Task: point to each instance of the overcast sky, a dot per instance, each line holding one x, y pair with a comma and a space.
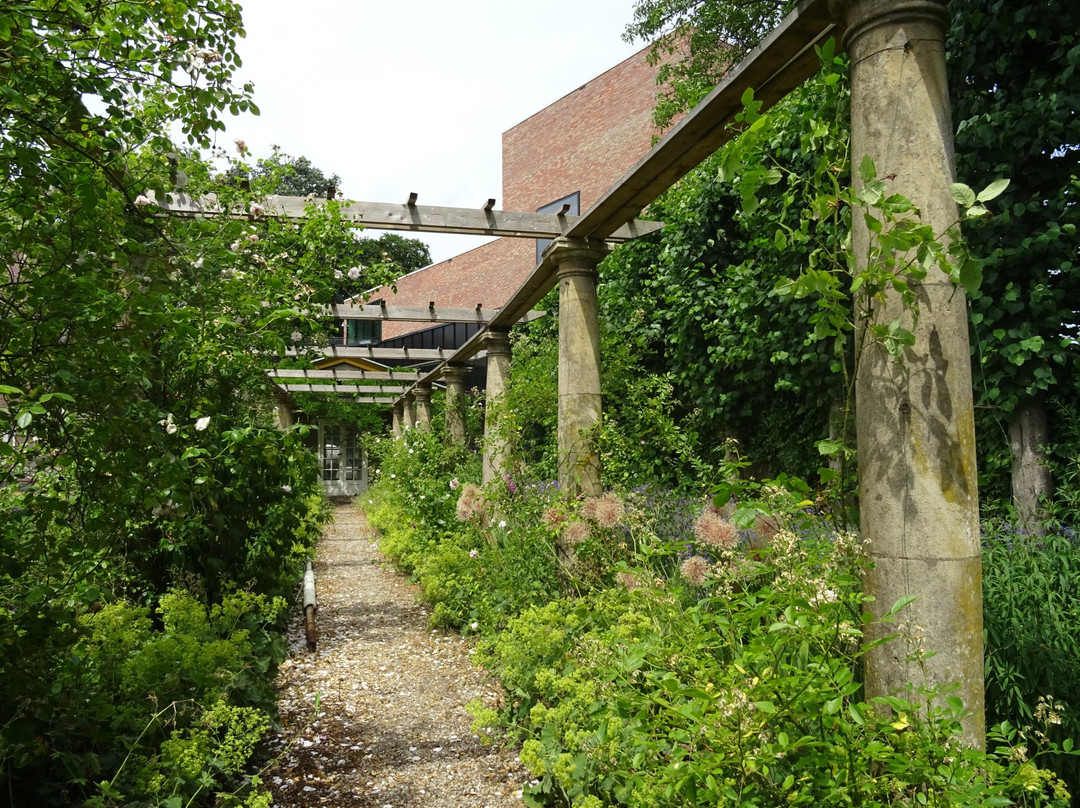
398, 97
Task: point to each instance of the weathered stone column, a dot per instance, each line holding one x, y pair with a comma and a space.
398, 417
497, 344
408, 414
915, 428
422, 405
454, 376
579, 364
283, 411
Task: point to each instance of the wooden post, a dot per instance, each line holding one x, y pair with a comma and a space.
454, 376
914, 424
497, 344
422, 405
580, 409
310, 607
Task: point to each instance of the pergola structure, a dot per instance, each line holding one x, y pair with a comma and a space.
915, 425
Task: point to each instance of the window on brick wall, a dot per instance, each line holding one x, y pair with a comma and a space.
573, 200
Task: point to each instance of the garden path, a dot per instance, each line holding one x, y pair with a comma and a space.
391, 728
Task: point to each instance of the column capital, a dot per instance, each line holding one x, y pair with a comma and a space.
861, 16
497, 342
454, 374
421, 392
576, 255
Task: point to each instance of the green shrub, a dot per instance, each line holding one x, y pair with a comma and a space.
744, 691
687, 654
1031, 613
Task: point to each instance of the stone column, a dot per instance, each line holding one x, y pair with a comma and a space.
497, 344
579, 364
399, 416
422, 405
283, 411
914, 424
408, 413
454, 376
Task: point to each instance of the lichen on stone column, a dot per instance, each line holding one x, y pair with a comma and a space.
497, 345
454, 376
915, 424
580, 408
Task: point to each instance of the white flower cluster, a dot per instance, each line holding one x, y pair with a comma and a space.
198, 58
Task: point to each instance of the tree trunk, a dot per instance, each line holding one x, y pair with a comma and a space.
1032, 484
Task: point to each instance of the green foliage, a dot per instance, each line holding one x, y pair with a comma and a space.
642, 441
474, 563
1030, 581
1012, 69
696, 43
1012, 79
745, 222
744, 691
162, 702
405, 254
295, 176
139, 465
686, 654
528, 416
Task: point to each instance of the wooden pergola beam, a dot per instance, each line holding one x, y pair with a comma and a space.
416, 218
784, 60
354, 389
374, 399
378, 354
354, 374
421, 314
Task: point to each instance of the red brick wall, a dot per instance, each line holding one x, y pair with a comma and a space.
586, 141
488, 275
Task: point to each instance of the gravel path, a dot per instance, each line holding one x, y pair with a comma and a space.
391, 728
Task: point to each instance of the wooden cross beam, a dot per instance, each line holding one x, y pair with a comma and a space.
410, 216
343, 388
374, 399
378, 354
341, 375
783, 61
421, 314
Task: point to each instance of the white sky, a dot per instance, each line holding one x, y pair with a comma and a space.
397, 97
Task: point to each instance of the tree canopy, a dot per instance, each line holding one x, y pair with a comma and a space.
142, 474
695, 43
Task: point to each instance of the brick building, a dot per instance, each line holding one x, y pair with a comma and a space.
572, 151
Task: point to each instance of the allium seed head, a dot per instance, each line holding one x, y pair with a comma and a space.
607, 510
576, 532
588, 509
470, 503
553, 517
766, 527
714, 530
627, 580
694, 570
